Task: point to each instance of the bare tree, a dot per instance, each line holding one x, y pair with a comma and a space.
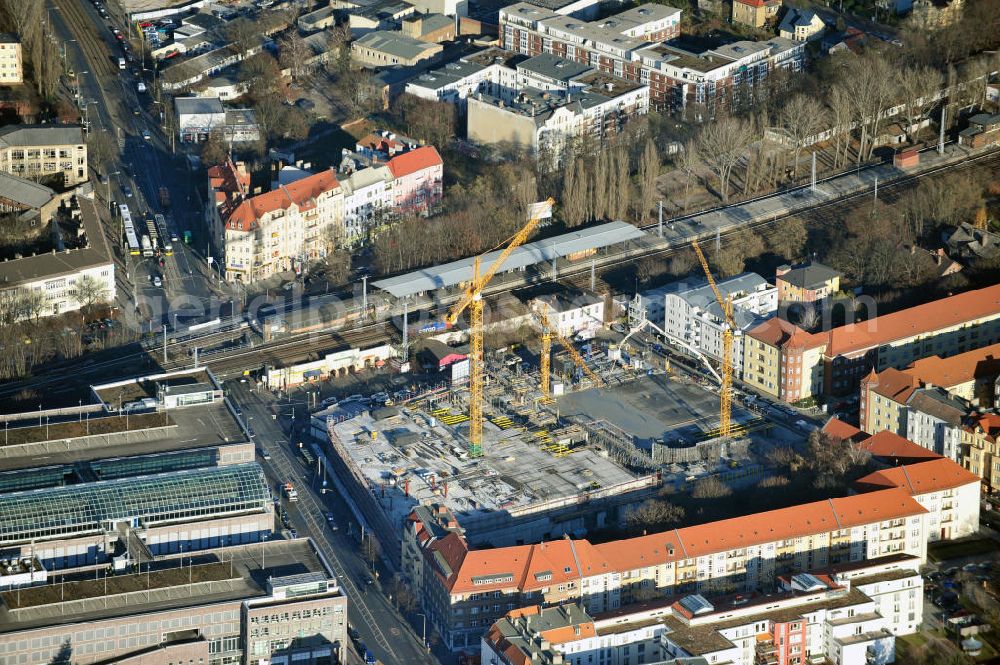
803, 118
710, 488
649, 170
870, 86
687, 161
788, 238
654, 514
243, 33
573, 201
100, 148
88, 291
839, 103
917, 87
621, 189
722, 144
295, 55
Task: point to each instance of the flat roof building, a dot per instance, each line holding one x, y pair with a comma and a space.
276, 602
381, 48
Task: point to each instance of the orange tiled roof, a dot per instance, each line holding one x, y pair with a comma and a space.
838, 429
410, 162
890, 445
923, 477
957, 369
895, 384
564, 561
931, 316
301, 193
988, 422
780, 333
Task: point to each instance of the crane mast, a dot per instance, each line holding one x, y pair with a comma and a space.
472, 300
726, 389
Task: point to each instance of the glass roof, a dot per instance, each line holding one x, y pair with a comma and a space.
57, 512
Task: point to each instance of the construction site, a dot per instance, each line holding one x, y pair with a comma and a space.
559, 434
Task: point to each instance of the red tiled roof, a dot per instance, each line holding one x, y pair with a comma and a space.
931, 316
780, 333
582, 559
891, 446
301, 193
895, 384
838, 429
988, 422
424, 157
960, 368
923, 477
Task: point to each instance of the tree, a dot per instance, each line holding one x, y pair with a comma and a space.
870, 86
710, 488
243, 33
294, 56
788, 238
653, 514
360, 92
649, 170
917, 86
722, 144
88, 291
433, 122
620, 194
214, 151
573, 199
101, 149
687, 162
802, 118
830, 459
262, 71
839, 103
731, 259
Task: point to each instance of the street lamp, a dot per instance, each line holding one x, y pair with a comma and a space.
424, 617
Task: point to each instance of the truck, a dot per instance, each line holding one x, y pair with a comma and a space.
164, 197
290, 493
147, 247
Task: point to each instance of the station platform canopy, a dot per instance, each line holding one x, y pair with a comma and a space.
529, 254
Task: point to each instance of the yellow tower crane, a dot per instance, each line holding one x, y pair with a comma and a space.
472, 300
548, 332
726, 391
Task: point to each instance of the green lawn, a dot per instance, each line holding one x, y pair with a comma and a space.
944, 551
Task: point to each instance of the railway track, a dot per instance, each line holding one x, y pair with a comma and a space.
301, 346
82, 25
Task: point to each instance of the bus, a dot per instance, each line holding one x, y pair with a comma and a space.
147, 247
154, 236
134, 248
161, 226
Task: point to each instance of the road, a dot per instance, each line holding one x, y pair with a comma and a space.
109, 98
385, 632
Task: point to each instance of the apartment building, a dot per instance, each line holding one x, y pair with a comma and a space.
11, 64
755, 13
491, 71
641, 45
971, 377
275, 602
56, 274
34, 151
691, 313
949, 492
783, 361
784, 356
418, 181
810, 282
801, 25
849, 615
981, 449
280, 230
546, 123
580, 315
464, 592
